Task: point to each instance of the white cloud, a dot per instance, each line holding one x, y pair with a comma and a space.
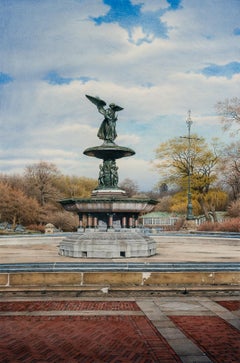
156, 82
139, 170
138, 35
151, 5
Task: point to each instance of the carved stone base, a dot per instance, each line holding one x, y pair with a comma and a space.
108, 244
108, 193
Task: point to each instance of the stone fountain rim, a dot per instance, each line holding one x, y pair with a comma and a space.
107, 200
103, 151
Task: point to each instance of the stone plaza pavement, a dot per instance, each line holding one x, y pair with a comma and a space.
163, 327
170, 248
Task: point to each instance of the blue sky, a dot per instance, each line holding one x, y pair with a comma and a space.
155, 58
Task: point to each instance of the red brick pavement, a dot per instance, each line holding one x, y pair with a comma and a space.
230, 305
71, 305
104, 338
213, 335
84, 339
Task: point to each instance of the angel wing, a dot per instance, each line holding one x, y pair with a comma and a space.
97, 101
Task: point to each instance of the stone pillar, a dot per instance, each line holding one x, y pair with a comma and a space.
136, 222
89, 221
95, 222
133, 222
80, 221
80, 226
110, 221
130, 222
124, 222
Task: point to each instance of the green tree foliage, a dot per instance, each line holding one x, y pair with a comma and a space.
176, 161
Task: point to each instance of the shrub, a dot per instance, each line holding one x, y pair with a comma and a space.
207, 226
234, 208
229, 225
36, 228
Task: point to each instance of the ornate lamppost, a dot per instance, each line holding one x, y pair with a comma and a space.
189, 123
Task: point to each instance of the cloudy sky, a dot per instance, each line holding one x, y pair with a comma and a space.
155, 58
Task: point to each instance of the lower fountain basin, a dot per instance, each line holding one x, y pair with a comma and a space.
108, 205
109, 244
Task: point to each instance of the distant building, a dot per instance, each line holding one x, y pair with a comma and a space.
159, 220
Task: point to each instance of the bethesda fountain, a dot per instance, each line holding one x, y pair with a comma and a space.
108, 220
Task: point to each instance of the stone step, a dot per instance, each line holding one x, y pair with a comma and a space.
120, 292
120, 266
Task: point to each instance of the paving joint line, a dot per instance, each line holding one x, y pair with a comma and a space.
179, 342
222, 312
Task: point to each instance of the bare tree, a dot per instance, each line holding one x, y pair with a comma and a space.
130, 186
229, 169
40, 181
229, 112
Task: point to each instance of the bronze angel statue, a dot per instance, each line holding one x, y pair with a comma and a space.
107, 129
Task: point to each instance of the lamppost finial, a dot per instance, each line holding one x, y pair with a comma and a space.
189, 121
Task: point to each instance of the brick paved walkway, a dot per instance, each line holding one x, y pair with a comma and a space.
138, 330
70, 305
217, 338
230, 305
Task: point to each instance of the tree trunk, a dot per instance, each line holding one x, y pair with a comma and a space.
14, 222
213, 213
204, 209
